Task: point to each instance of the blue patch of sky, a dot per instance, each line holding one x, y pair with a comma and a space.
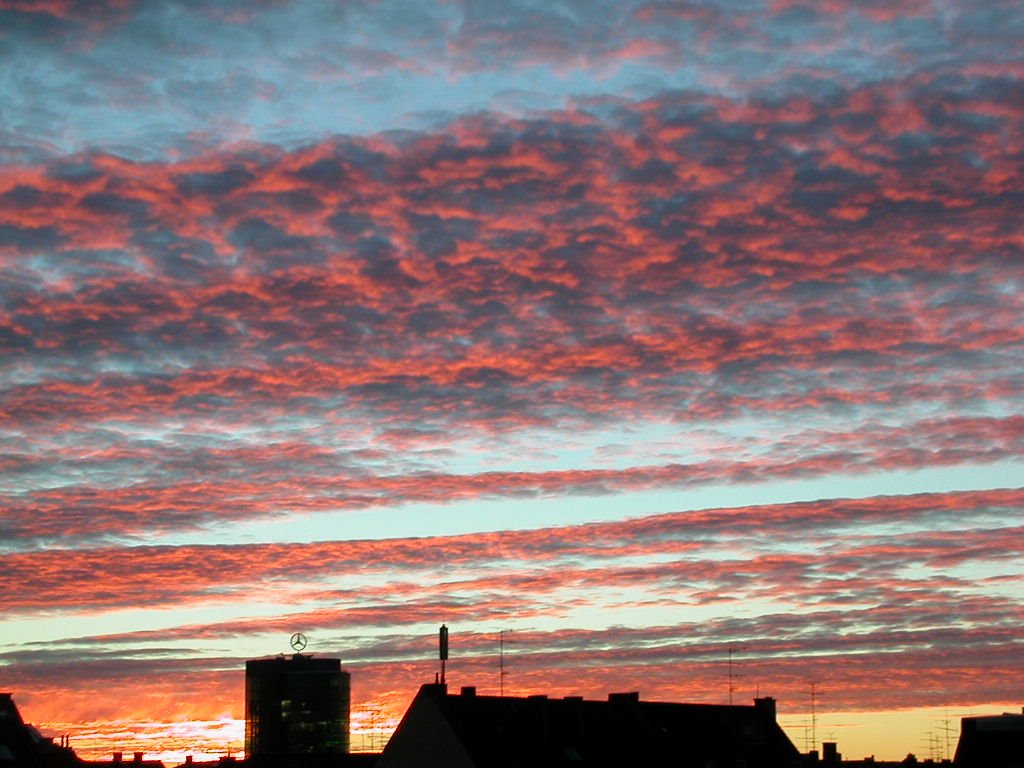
498, 514
78, 623
300, 71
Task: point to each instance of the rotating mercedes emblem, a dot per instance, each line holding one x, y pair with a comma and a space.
298, 642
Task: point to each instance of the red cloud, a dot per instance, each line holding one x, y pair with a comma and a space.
168, 576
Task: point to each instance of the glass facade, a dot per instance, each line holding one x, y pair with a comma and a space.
296, 706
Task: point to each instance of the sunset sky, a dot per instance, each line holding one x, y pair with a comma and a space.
652, 332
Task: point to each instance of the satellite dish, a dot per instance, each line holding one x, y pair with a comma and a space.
298, 642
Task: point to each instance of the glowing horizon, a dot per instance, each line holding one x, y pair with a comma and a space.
644, 330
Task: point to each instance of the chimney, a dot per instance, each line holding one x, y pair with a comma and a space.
830, 753
116, 758
468, 691
766, 706
137, 757
624, 697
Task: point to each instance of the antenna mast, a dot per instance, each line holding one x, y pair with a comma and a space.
946, 729
814, 716
443, 649
732, 688
501, 660
731, 652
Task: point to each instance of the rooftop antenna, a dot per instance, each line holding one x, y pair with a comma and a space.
814, 715
501, 660
930, 741
947, 730
443, 649
373, 711
732, 688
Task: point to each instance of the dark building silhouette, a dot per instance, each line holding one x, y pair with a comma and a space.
994, 741
830, 753
471, 731
18, 744
22, 746
295, 707
119, 760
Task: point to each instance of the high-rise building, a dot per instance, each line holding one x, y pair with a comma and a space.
297, 705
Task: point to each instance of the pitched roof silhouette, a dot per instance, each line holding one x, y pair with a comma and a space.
471, 731
991, 741
17, 746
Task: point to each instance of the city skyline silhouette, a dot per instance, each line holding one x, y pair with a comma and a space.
670, 346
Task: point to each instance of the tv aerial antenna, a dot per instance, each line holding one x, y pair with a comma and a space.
298, 642
733, 649
815, 695
501, 660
